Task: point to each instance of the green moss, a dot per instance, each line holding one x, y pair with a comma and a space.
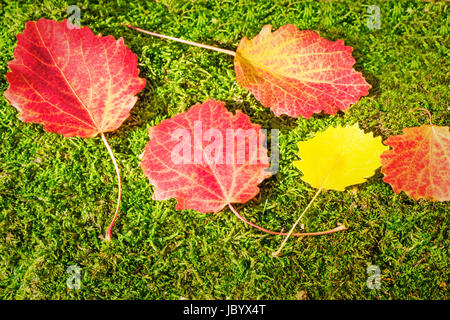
57, 194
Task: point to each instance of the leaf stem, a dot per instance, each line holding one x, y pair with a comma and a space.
295, 224
192, 43
340, 227
119, 196
427, 111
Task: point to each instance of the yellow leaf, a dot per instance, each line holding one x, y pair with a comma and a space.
339, 157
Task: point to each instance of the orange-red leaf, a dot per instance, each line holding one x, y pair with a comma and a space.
203, 182
419, 162
298, 73
72, 81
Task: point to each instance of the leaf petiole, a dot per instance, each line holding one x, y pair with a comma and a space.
427, 111
192, 43
119, 196
275, 254
301, 234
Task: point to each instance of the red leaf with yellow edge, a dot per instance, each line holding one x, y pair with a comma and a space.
299, 73
189, 158
294, 72
72, 81
419, 162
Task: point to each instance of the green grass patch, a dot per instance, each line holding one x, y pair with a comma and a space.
57, 194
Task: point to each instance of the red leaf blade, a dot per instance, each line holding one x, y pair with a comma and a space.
418, 163
73, 82
203, 186
299, 73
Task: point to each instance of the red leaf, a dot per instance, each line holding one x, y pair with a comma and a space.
419, 163
73, 82
294, 72
199, 184
298, 73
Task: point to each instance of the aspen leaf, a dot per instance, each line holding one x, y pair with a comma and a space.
335, 159
294, 72
299, 73
196, 181
73, 82
419, 162
339, 157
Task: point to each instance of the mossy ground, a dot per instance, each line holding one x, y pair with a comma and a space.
57, 194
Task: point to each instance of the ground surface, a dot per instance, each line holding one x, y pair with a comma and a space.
57, 194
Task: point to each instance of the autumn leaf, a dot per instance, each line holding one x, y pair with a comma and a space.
419, 162
197, 182
207, 158
294, 72
335, 159
298, 73
73, 82
339, 157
